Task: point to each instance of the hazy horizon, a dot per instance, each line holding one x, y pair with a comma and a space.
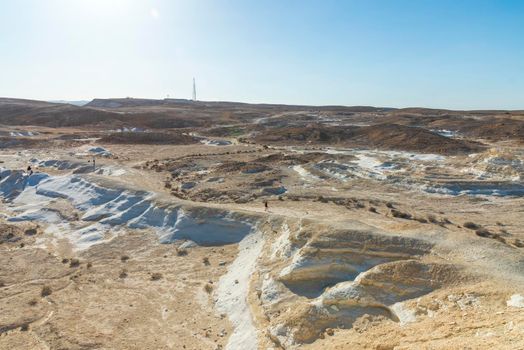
449, 55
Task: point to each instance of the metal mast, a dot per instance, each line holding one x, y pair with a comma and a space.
194, 90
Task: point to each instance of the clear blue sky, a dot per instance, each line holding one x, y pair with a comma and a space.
465, 54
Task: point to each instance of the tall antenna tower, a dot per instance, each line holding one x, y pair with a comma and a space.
194, 90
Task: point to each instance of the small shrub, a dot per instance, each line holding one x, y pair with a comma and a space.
124, 258
432, 218
65, 261
322, 199
24, 327
518, 243
74, 263
373, 210
181, 252
445, 221
89, 265
208, 288
499, 238
482, 232
156, 276
471, 225
32, 302
399, 214
123, 274
390, 205
30, 232
421, 219
206, 261
46, 291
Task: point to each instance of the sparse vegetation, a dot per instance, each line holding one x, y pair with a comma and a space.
373, 210
156, 276
65, 261
432, 218
74, 263
124, 258
445, 221
399, 214
123, 274
150, 138
24, 327
181, 251
208, 288
420, 219
471, 225
206, 261
46, 291
32, 302
518, 243
322, 199
482, 232
30, 232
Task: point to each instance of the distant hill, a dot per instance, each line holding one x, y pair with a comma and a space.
180, 113
382, 136
28, 112
76, 103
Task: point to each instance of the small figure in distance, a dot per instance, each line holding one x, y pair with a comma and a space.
266, 207
29, 170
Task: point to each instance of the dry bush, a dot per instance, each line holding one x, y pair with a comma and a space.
30, 232
206, 261
32, 302
123, 274
24, 327
181, 252
373, 210
420, 219
124, 258
208, 288
399, 214
156, 276
322, 199
432, 218
471, 225
482, 232
499, 238
518, 243
46, 290
74, 263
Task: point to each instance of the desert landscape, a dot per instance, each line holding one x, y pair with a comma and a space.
174, 224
